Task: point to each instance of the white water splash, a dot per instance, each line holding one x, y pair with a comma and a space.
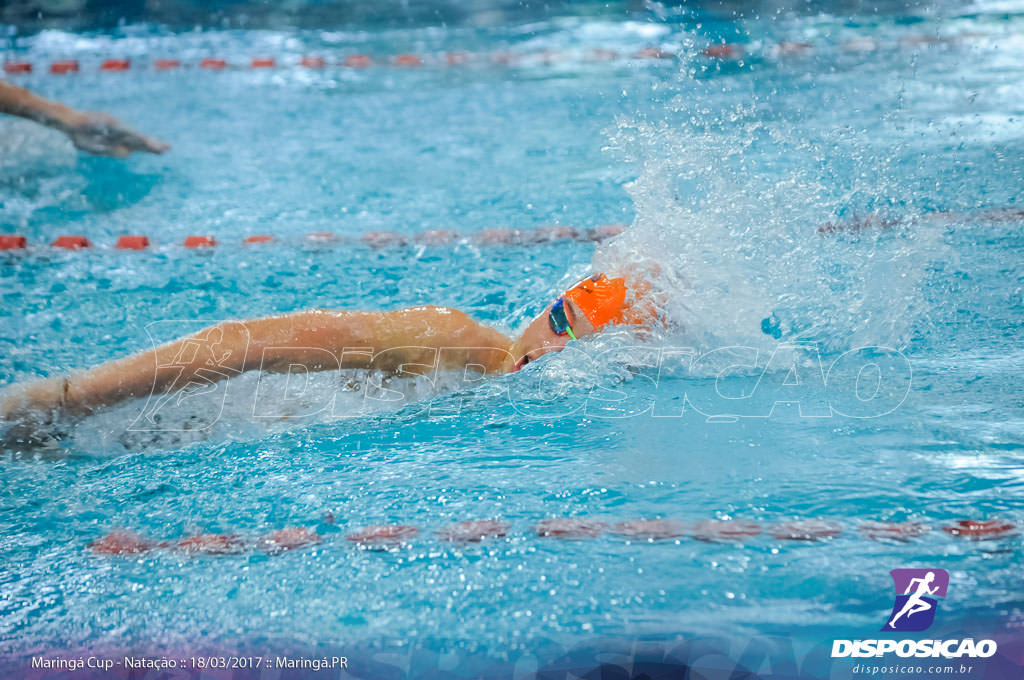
729, 210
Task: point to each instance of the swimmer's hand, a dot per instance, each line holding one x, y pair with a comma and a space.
104, 135
29, 413
19, 400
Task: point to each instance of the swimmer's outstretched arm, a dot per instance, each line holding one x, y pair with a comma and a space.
316, 340
95, 133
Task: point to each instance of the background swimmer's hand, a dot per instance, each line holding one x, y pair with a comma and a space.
95, 133
104, 135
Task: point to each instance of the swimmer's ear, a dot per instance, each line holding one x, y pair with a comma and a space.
580, 323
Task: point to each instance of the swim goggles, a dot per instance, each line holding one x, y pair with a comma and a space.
558, 319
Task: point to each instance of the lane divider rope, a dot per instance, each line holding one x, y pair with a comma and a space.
374, 239
393, 536
714, 52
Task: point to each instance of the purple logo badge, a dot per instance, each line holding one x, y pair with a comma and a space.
916, 590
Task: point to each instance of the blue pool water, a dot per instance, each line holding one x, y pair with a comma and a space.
723, 169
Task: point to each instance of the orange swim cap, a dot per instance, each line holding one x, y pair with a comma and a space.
602, 301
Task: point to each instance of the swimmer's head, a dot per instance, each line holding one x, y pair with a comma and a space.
584, 309
602, 300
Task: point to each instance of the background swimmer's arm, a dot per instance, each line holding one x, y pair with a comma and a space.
96, 133
17, 101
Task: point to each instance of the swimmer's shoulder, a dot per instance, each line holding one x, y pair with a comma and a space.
451, 326
429, 316
422, 312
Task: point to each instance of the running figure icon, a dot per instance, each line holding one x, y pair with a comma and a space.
914, 609
915, 603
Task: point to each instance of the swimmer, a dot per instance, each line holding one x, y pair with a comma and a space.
95, 133
914, 603
318, 340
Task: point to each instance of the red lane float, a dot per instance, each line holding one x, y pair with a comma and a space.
719, 530
490, 237
723, 51
652, 53
408, 60
313, 62
436, 237
861, 44
570, 528
873, 221
788, 47
263, 62
921, 40
15, 67
549, 234
211, 544
991, 215
62, 67
213, 64
805, 530
200, 242
12, 242
605, 231
893, 531
71, 242
357, 61
132, 243
115, 65
259, 238
321, 237
980, 530
600, 54
289, 538
382, 239
457, 58
384, 535
650, 529
473, 531
166, 64
121, 542
548, 57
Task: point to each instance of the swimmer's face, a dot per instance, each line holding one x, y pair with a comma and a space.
538, 339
